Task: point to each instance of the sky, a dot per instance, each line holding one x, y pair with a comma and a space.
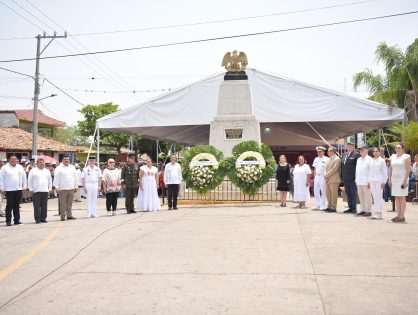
326, 56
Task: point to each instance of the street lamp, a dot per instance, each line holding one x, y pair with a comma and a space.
35, 127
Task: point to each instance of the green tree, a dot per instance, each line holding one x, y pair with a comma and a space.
87, 126
407, 134
68, 135
399, 85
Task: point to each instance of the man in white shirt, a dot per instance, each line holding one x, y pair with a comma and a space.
319, 181
378, 177
65, 183
92, 182
12, 181
362, 182
2, 163
40, 185
172, 178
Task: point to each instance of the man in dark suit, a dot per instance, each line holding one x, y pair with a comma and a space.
348, 175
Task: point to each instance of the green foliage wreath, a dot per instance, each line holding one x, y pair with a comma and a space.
202, 178
250, 177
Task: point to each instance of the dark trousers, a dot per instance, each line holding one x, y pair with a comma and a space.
13, 202
129, 198
173, 193
40, 205
112, 201
351, 191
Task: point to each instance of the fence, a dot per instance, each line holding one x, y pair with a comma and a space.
227, 191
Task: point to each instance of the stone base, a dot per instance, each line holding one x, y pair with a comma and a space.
235, 75
234, 123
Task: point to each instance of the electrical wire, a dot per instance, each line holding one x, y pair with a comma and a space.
208, 22
17, 72
57, 87
115, 83
218, 38
22, 16
106, 67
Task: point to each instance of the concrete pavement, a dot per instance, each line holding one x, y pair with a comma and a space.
256, 259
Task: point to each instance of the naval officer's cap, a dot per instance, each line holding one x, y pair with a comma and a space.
320, 148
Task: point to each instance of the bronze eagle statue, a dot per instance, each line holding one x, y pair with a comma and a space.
235, 61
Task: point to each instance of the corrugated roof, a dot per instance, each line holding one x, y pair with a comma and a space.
15, 139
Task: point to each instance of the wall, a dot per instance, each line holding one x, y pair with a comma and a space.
8, 120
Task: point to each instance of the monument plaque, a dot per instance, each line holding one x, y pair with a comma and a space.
235, 121
233, 134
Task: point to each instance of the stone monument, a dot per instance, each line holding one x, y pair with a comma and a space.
235, 121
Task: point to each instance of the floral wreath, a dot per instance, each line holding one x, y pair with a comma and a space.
250, 166
201, 169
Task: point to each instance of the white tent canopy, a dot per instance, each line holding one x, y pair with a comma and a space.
281, 105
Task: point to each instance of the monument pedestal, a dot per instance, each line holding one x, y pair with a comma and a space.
235, 121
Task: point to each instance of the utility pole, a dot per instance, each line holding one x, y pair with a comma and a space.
38, 89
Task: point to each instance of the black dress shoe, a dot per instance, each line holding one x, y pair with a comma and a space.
330, 210
169, 208
71, 218
8, 223
38, 221
175, 208
348, 211
132, 211
326, 209
44, 221
18, 223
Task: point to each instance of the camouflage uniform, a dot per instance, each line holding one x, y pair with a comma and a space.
130, 178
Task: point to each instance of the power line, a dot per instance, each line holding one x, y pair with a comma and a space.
14, 96
17, 13
87, 64
17, 72
119, 92
208, 22
218, 38
57, 87
118, 81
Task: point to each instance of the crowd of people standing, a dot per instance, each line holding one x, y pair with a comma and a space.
359, 175
69, 181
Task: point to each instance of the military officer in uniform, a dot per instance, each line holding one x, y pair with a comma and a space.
91, 178
319, 182
130, 182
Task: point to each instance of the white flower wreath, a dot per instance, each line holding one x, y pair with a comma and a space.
250, 171
259, 159
204, 159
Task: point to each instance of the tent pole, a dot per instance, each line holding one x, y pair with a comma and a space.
158, 144
98, 146
379, 139
91, 145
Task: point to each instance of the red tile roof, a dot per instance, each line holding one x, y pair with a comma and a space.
15, 139
27, 115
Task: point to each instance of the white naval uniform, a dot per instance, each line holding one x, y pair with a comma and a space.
378, 175
319, 182
91, 177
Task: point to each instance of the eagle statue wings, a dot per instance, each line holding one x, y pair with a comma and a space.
235, 61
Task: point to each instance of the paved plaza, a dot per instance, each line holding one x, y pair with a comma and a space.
229, 259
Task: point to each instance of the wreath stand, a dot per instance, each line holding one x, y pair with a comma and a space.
243, 199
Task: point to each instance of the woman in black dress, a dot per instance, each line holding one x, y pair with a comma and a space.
283, 179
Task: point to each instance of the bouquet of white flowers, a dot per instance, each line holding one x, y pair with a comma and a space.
201, 168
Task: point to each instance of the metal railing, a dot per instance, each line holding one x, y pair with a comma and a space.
227, 191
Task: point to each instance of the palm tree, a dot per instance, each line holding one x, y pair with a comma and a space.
407, 134
400, 85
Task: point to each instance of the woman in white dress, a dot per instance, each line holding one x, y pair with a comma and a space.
400, 164
147, 192
301, 176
